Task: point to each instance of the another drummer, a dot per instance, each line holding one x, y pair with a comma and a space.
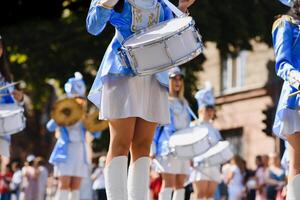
286, 43
7, 96
174, 170
69, 155
205, 181
133, 105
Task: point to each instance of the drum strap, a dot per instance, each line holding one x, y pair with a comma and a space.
119, 36
174, 9
192, 113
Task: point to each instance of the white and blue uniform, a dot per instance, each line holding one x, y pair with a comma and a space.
69, 155
5, 140
286, 44
116, 91
180, 118
205, 97
211, 173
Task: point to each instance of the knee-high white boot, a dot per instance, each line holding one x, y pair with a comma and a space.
115, 175
293, 189
138, 179
178, 194
62, 194
74, 195
165, 194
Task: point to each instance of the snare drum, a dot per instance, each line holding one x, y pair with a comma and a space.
217, 155
12, 119
190, 142
162, 46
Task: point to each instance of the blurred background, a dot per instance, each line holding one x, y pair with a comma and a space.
47, 42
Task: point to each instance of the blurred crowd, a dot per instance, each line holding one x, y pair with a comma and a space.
266, 182
31, 181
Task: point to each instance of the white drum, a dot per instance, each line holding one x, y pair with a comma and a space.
162, 46
217, 155
12, 119
190, 142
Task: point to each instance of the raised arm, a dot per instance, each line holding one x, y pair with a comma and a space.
98, 15
283, 43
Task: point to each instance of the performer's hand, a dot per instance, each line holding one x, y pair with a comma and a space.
18, 95
185, 4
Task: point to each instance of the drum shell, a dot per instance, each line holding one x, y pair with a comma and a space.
192, 150
13, 121
160, 55
221, 157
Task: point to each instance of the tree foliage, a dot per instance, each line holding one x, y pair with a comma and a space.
48, 39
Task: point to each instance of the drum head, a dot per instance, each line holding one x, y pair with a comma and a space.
163, 29
188, 136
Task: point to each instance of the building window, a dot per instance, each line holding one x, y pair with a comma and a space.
233, 72
234, 137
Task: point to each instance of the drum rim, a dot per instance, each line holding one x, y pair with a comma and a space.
195, 127
127, 48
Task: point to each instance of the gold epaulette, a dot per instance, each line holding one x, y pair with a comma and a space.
278, 23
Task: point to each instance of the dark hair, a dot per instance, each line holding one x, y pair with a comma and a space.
4, 64
295, 10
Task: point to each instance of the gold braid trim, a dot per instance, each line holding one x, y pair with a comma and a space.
278, 23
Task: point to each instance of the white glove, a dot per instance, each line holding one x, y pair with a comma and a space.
294, 79
109, 4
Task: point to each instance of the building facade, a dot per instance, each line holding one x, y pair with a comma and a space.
247, 91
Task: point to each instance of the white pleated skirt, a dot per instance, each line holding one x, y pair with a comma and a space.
4, 148
206, 174
75, 164
287, 123
139, 96
172, 165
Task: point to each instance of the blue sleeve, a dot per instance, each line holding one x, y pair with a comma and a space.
170, 128
168, 14
283, 41
51, 125
97, 18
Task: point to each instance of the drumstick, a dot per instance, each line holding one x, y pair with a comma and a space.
294, 93
160, 167
9, 85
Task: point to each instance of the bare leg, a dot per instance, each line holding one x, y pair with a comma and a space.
64, 182
200, 188
142, 138
75, 183
294, 154
121, 134
211, 189
179, 182
139, 169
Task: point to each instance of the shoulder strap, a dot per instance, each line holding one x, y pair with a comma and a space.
174, 9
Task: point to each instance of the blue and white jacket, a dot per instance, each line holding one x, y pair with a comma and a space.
125, 24
60, 151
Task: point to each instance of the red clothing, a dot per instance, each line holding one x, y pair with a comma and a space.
155, 186
4, 182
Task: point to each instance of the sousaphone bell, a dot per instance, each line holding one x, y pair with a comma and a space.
93, 124
67, 112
